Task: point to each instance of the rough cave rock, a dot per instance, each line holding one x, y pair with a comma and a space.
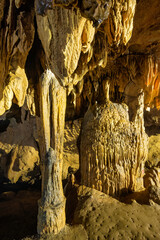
95, 62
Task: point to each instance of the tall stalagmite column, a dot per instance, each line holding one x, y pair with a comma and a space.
51, 212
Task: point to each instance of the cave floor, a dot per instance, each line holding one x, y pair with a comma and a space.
97, 217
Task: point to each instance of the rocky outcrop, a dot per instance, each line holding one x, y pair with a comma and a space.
59, 57
113, 147
17, 35
106, 218
130, 73
19, 155
19, 149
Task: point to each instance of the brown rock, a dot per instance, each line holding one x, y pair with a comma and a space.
119, 25
24, 160
152, 184
106, 218
17, 37
145, 38
154, 194
71, 152
63, 52
152, 177
19, 153
51, 211
113, 148
79, 37
153, 151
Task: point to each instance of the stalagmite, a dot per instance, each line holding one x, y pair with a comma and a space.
107, 129
84, 48
51, 212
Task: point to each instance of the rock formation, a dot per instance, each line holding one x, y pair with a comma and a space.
19, 155
51, 215
70, 59
113, 148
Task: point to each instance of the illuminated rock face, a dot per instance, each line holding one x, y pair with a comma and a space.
72, 48
113, 148
51, 213
17, 35
71, 43
56, 53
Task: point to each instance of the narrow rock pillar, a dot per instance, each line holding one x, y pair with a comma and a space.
51, 211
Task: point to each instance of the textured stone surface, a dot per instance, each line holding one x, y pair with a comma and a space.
119, 25
145, 38
152, 175
17, 35
19, 156
51, 211
79, 45
64, 51
71, 151
106, 218
153, 151
113, 148
69, 232
129, 74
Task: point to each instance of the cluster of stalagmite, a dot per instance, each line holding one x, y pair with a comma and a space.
54, 49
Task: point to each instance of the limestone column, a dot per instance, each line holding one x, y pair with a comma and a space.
51, 211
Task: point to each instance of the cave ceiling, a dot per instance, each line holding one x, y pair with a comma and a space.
76, 39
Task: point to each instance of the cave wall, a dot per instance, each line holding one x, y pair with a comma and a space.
84, 44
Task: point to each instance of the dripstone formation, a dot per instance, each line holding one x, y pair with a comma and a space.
95, 60
113, 148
